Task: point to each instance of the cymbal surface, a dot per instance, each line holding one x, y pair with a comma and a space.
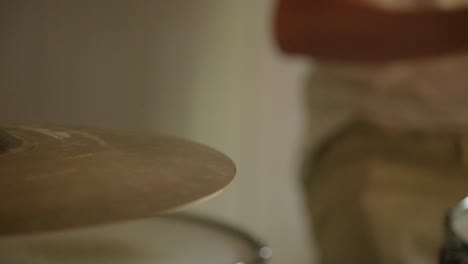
59, 178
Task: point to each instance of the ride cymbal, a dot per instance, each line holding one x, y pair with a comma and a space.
55, 177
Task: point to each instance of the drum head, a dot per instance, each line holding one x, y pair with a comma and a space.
169, 240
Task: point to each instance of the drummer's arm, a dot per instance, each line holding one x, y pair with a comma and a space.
335, 29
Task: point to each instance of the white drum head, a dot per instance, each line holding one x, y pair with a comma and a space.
168, 240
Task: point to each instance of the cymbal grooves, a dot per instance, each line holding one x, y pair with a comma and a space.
8, 141
55, 178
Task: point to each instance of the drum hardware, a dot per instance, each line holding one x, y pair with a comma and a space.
455, 249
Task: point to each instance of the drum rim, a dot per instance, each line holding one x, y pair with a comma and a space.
257, 246
458, 210
253, 241
455, 247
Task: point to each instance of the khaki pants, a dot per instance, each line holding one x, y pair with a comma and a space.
381, 197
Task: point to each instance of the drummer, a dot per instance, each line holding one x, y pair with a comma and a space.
388, 117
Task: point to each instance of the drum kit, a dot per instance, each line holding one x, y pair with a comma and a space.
71, 195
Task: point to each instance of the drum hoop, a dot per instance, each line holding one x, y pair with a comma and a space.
455, 247
227, 228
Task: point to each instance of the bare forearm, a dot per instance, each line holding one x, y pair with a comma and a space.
341, 31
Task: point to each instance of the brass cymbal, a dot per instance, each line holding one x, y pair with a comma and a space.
60, 177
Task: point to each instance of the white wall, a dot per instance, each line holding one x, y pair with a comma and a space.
205, 70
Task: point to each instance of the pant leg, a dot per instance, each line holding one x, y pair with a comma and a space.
378, 197
339, 222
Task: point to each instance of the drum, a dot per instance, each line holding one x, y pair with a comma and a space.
176, 239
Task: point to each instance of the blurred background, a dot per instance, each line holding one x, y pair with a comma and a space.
205, 70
